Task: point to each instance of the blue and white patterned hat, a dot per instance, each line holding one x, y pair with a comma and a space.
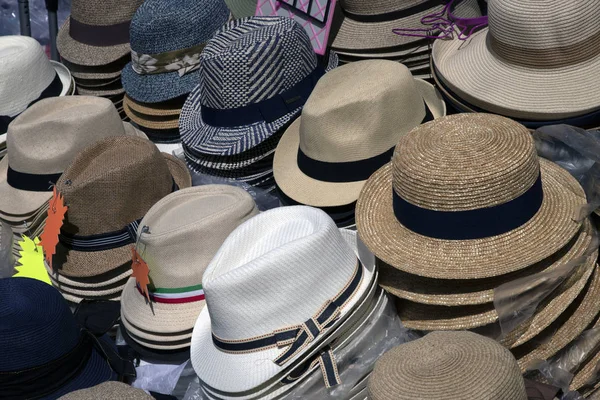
167, 37
255, 75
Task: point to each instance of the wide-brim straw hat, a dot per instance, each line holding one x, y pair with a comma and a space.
534, 72
450, 152
356, 35
108, 390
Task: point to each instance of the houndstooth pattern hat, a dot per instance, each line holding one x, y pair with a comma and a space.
255, 76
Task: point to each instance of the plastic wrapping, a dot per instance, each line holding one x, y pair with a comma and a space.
160, 378
7, 260
9, 18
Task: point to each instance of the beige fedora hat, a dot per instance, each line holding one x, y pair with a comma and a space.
522, 66
348, 129
466, 197
447, 366
167, 240
44, 140
108, 390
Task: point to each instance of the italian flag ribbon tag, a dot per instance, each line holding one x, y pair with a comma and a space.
187, 294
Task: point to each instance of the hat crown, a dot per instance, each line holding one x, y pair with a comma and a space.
112, 183
160, 26
26, 73
37, 324
46, 137
185, 230
275, 271
360, 110
106, 12
254, 59
465, 162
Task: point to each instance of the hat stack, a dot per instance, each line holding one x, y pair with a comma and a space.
366, 30
272, 316
167, 37
465, 206
42, 142
325, 156
158, 325
94, 44
524, 68
108, 189
255, 75
27, 76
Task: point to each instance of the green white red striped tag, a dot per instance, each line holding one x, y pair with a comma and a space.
187, 294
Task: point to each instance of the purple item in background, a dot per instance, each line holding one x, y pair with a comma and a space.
9, 18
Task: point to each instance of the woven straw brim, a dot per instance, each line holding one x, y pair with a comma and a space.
96, 75
101, 93
564, 330
547, 232
306, 190
100, 292
77, 299
156, 109
150, 121
99, 282
467, 67
84, 54
355, 35
165, 339
588, 369
445, 292
409, 52
15, 220
64, 75
99, 83
158, 343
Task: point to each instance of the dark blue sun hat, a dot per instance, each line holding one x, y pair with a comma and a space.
167, 37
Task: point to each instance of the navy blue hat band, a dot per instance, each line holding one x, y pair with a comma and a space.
31, 182
470, 224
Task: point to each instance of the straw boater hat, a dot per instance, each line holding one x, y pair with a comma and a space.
167, 240
108, 188
447, 366
264, 277
27, 76
109, 390
45, 139
326, 155
523, 67
96, 33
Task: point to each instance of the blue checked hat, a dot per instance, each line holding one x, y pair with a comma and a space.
255, 76
167, 37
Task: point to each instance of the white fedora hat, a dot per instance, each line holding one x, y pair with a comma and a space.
280, 285
26, 76
539, 62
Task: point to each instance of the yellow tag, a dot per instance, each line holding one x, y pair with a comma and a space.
31, 262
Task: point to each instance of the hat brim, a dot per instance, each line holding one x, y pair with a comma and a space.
220, 141
163, 341
99, 92
242, 372
306, 190
106, 291
586, 370
549, 230
150, 121
64, 75
157, 110
84, 54
156, 88
154, 355
512, 90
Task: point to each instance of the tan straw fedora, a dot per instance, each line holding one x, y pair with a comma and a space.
529, 63
44, 140
348, 129
167, 240
108, 390
466, 197
447, 366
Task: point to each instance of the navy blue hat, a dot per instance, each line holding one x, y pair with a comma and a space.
167, 37
44, 352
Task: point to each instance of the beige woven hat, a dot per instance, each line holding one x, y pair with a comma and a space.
536, 63
447, 366
108, 390
167, 240
466, 197
44, 140
326, 155
108, 188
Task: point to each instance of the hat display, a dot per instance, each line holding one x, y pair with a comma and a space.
167, 240
108, 189
108, 390
326, 155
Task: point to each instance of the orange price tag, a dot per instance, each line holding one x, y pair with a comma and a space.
56, 216
140, 272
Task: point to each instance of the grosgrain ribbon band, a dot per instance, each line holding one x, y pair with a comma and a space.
268, 110
395, 15
188, 294
99, 35
31, 182
471, 224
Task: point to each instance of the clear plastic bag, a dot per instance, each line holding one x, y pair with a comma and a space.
159, 378
7, 260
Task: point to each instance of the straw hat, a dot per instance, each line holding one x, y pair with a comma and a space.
45, 139
530, 69
325, 156
109, 390
508, 209
167, 240
27, 76
447, 366
96, 33
105, 71
165, 109
252, 287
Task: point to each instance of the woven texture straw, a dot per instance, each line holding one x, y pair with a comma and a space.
109, 390
464, 162
447, 366
164, 109
522, 66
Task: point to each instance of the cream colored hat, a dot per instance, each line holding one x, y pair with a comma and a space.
44, 140
447, 366
538, 62
348, 129
177, 238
